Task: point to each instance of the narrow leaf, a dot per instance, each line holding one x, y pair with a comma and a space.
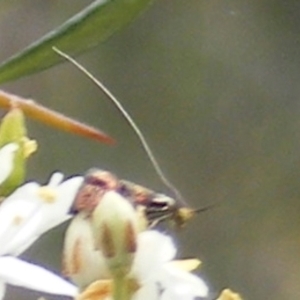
83, 31
54, 119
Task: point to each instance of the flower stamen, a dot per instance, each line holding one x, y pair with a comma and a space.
47, 194
29, 146
188, 265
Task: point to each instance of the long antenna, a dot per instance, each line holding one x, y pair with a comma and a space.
129, 120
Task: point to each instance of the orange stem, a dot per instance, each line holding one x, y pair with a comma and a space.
52, 118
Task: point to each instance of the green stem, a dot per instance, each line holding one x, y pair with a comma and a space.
121, 288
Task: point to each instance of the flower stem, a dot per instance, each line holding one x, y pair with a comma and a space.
121, 288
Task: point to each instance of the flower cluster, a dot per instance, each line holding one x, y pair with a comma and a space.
100, 248
109, 252
27, 212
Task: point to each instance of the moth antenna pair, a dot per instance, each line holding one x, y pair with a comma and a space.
129, 120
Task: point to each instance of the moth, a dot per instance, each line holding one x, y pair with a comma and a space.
155, 207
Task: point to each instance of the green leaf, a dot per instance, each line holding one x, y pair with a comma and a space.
83, 31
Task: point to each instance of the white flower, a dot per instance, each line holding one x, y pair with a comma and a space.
32, 210
24, 216
152, 269
20, 273
115, 227
27, 213
6, 160
157, 276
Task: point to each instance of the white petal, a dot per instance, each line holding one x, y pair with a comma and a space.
24, 238
147, 292
20, 273
15, 212
7, 154
24, 215
150, 257
180, 284
55, 179
56, 212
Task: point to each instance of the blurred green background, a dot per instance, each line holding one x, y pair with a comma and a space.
214, 85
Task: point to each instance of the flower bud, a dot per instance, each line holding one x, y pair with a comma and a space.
13, 130
114, 225
82, 263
